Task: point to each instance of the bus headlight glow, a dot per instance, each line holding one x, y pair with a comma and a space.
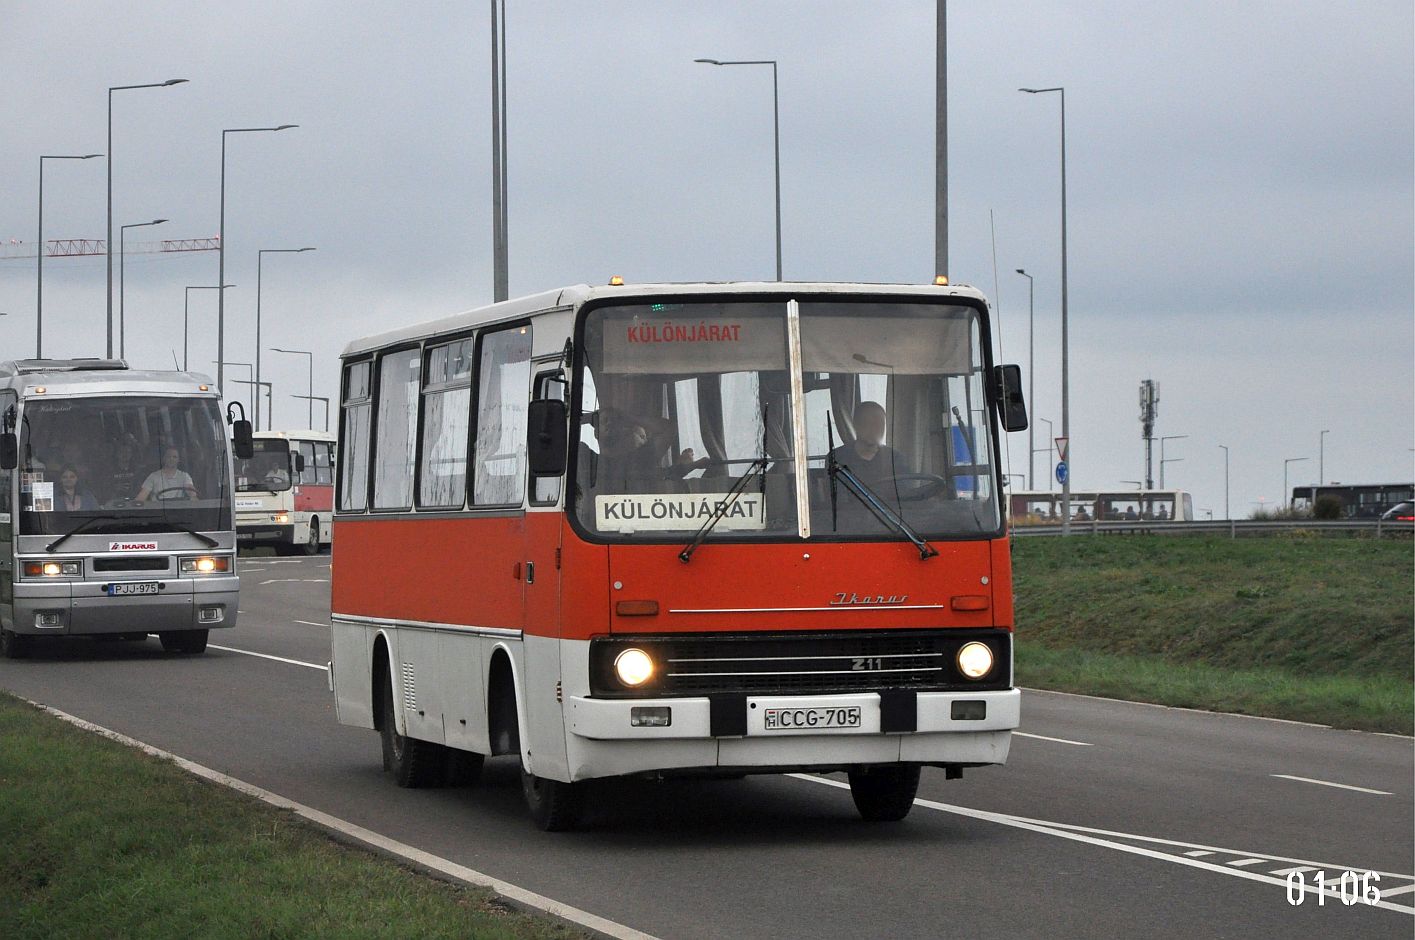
53, 569
633, 667
975, 660
205, 564
280, 518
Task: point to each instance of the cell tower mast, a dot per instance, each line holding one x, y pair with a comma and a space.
1149, 410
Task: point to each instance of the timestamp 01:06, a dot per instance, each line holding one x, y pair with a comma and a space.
1351, 887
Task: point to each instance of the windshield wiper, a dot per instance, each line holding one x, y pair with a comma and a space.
835, 469
210, 542
79, 528
757, 468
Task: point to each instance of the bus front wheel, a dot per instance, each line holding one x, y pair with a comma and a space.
555, 806
885, 793
311, 546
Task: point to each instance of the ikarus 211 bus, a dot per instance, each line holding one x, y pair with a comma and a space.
285, 491
679, 529
115, 504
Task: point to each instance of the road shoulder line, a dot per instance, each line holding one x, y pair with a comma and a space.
521, 897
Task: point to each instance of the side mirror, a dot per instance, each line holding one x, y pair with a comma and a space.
241, 439
1007, 383
299, 462
546, 437
9, 451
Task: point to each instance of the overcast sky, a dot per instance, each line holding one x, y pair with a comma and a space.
1239, 180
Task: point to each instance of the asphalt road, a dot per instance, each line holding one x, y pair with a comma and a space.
1111, 819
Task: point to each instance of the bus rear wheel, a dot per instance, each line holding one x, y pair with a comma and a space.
415, 764
184, 641
14, 645
555, 806
885, 793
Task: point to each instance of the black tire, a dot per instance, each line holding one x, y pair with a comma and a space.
311, 546
555, 806
184, 641
415, 764
14, 645
885, 793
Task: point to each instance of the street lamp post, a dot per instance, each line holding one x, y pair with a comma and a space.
1047, 449
186, 308
310, 396
1172, 437
1227, 510
1321, 459
250, 370
1163, 462
221, 253
39, 255
320, 398
108, 231
259, 257
255, 386
1286, 496
1031, 371
776, 137
123, 281
1065, 370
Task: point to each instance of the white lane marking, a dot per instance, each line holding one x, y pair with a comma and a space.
1284, 872
1180, 708
296, 581
513, 893
1198, 853
1080, 834
1042, 737
1328, 783
312, 623
1405, 890
278, 659
1241, 862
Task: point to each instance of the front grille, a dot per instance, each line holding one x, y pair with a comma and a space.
802, 663
132, 563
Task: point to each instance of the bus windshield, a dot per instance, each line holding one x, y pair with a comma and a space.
123, 464
268, 470
678, 401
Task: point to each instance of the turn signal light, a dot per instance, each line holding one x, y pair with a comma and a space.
53, 569
636, 608
969, 602
206, 564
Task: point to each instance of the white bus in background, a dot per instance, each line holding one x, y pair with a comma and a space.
1044, 508
285, 491
115, 504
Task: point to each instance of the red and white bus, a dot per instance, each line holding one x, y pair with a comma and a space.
285, 492
699, 529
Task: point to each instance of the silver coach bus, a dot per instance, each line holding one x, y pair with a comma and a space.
115, 504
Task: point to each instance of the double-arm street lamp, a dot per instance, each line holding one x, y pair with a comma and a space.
123, 281
310, 396
1065, 373
321, 398
776, 137
260, 257
186, 310
39, 254
1286, 495
108, 231
221, 252
1172, 437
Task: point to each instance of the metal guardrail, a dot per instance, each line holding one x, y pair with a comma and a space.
1232, 528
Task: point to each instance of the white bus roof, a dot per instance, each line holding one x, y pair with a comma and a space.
569, 298
98, 377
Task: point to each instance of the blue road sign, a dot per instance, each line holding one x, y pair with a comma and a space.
1061, 473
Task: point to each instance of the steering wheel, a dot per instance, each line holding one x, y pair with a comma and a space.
928, 485
172, 489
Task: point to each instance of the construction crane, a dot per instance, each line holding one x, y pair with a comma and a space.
15, 248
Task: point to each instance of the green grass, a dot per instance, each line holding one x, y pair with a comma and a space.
1308, 629
100, 840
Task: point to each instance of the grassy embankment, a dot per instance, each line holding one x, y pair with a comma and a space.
1310, 629
100, 840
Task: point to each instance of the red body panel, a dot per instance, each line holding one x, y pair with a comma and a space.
472, 570
309, 498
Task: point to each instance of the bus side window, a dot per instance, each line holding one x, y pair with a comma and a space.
308, 476
354, 437
395, 431
503, 387
323, 463
550, 384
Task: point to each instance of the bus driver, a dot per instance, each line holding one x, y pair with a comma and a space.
168, 482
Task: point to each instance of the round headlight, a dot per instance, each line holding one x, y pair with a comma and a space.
633, 667
975, 660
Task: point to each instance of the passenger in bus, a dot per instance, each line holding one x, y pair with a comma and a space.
1162, 515
1081, 515
1130, 514
868, 456
71, 496
123, 477
168, 481
635, 446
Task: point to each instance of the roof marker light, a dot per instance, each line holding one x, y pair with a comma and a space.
616, 281
941, 281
